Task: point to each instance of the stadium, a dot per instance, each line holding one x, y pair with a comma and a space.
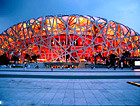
69, 38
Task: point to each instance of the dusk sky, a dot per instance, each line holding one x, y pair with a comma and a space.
126, 12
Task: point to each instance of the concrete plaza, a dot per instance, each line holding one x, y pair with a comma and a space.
29, 92
69, 92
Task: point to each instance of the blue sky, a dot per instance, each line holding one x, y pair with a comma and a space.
126, 12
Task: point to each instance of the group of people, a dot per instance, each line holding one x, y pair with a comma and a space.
113, 61
25, 66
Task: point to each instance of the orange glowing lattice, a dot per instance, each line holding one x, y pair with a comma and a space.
69, 38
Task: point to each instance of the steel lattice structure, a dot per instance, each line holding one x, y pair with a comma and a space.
69, 38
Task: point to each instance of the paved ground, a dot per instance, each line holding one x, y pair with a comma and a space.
30, 92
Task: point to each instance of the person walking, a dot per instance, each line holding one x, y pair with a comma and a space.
25, 66
52, 68
107, 63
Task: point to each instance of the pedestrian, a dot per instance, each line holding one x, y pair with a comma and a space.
51, 68
25, 66
121, 64
61, 67
91, 66
29, 66
10, 65
132, 64
72, 66
107, 63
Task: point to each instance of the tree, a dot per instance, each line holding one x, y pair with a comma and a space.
15, 58
4, 60
28, 57
112, 58
34, 57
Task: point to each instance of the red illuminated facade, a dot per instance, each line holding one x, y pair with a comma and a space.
69, 38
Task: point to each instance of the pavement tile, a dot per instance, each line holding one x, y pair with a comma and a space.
78, 94
80, 101
56, 92
69, 94
101, 98
46, 99
131, 102
92, 101
77, 85
68, 101
83, 85
58, 98
117, 102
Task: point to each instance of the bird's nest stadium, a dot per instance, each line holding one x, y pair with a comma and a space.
69, 38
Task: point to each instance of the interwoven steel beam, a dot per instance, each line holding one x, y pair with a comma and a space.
69, 38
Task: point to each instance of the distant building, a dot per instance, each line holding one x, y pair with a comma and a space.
69, 38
